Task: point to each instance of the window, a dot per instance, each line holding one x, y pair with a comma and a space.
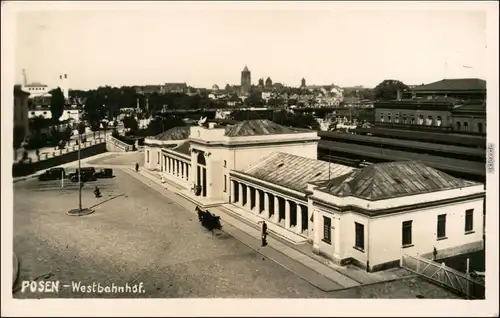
382, 117
458, 126
147, 156
441, 226
429, 120
438, 121
469, 220
405, 119
407, 233
412, 120
480, 127
327, 230
360, 236
466, 126
420, 120
225, 183
389, 118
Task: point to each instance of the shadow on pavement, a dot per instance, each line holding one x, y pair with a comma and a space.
102, 202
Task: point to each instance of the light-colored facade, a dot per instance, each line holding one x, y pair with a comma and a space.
45, 113
265, 171
21, 119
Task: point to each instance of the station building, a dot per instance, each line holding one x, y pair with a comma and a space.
368, 216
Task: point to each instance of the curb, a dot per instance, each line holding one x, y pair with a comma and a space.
83, 212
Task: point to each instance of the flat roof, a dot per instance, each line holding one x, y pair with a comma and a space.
448, 164
405, 143
463, 139
294, 172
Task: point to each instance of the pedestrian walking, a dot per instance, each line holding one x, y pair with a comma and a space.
136, 167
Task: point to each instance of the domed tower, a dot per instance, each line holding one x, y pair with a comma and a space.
269, 82
246, 81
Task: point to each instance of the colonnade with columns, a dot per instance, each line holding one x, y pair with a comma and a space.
291, 214
176, 167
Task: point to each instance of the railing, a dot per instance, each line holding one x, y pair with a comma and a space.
444, 275
120, 144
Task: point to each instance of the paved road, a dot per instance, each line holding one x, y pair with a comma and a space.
137, 237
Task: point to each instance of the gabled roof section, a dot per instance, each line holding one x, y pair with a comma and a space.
183, 148
260, 127
294, 172
176, 133
457, 84
392, 179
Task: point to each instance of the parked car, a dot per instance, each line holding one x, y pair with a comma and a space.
85, 176
104, 173
52, 174
90, 170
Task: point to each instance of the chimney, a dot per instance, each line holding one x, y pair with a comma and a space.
65, 76
211, 125
60, 76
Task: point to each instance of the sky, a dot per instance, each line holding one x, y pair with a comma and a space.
211, 45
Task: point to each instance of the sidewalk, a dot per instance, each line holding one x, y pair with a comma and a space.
297, 258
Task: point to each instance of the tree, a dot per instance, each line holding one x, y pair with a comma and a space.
255, 100
131, 123
387, 89
57, 102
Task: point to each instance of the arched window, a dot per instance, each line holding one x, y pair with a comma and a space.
381, 117
438, 121
389, 118
412, 119
466, 126
458, 126
201, 158
421, 120
480, 127
405, 119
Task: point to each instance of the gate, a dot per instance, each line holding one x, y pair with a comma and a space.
440, 273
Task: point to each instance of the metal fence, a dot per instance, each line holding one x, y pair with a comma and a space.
440, 273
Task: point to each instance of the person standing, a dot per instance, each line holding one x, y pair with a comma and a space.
264, 233
136, 167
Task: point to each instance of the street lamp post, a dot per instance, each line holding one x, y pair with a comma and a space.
79, 173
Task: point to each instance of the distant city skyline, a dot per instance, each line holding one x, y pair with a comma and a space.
212, 46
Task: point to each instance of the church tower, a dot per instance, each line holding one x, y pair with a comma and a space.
246, 81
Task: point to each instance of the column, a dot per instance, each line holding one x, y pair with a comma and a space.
233, 191
187, 172
276, 215
194, 170
174, 166
182, 169
249, 199
317, 230
209, 177
257, 201
169, 165
240, 192
300, 210
336, 236
266, 205
287, 214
